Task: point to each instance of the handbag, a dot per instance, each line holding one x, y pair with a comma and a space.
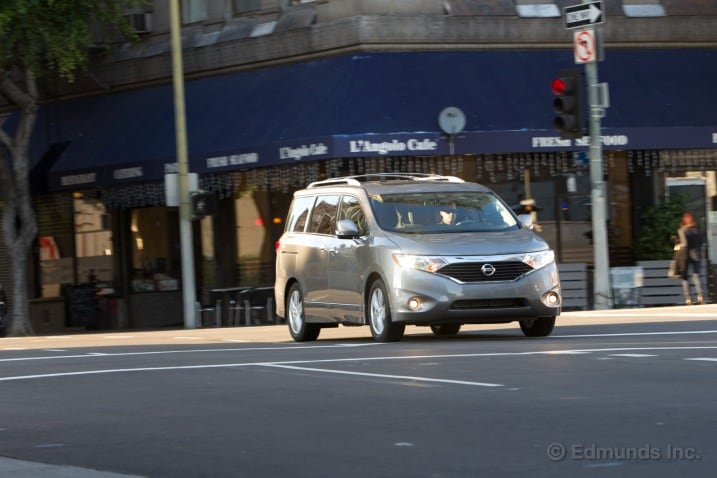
672, 270
678, 263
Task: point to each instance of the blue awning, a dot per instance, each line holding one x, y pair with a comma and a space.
387, 103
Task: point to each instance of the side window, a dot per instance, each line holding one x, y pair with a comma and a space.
193, 11
323, 217
299, 214
244, 6
351, 209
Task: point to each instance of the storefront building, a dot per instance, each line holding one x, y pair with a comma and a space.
257, 135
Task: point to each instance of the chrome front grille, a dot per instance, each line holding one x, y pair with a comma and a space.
481, 271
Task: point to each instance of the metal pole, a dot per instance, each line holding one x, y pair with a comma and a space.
601, 280
185, 213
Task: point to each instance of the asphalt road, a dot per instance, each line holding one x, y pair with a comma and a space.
622, 392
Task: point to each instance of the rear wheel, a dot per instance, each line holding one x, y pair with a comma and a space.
299, 329
445, 330
540, 327
379, 315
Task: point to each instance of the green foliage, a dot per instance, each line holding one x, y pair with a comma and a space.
56, 35
658, 225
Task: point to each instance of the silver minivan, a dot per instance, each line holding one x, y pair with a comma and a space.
389, 250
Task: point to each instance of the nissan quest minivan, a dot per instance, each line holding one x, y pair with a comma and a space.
387, 250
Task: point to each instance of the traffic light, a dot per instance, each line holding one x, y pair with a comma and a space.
204, 203
567, 104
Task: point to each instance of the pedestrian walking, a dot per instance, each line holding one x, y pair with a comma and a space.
690, 239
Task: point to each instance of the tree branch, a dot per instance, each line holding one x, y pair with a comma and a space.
14, 93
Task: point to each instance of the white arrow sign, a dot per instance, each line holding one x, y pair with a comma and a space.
584, 14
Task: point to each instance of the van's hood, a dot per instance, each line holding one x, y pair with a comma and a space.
470, 243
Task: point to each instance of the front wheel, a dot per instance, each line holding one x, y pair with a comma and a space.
540, 327
299, 329
379, 315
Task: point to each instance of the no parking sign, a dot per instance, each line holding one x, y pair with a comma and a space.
585, 46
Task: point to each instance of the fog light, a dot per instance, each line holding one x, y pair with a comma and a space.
552, 299
414, 303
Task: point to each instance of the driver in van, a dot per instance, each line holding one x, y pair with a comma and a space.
447, 215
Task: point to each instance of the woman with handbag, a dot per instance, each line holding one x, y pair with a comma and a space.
691, 240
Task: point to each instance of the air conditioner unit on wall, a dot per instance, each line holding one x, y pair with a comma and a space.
140, 22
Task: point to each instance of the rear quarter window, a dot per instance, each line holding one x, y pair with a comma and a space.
299, 214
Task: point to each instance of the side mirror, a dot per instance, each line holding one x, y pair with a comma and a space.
347, 229
526, 220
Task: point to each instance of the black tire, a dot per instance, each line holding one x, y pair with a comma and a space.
445, 330
379, 315
540, 327
298, 328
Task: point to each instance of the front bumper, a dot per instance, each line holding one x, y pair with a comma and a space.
423, 298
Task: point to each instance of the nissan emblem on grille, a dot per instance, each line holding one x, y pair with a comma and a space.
488, 269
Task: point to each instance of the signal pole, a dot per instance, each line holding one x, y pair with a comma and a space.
588, 50
601, 258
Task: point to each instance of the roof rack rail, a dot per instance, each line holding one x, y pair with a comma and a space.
357, 179
349, 180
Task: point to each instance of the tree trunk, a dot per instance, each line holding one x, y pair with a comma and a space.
19, 221
19, 242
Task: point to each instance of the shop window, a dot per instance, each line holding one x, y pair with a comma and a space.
156, 250
93, 243
246, 6
56, 238
259, 223
194, 11
643, 8
537, 9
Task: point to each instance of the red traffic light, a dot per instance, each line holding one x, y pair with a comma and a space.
558, 86
567, 103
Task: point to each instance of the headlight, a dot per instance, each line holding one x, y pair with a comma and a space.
422, 263
536, 260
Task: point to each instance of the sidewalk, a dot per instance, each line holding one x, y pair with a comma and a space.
28, 469
280, 333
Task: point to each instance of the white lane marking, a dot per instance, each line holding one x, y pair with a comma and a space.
305, 347
120, 370
652, 313
340, 360
167, 352
703, 359
381, 375
633, 334
566, 352
633, 355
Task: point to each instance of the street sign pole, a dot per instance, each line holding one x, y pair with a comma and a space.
601, 257
601, 284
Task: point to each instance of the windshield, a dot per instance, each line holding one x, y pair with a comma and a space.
440, 212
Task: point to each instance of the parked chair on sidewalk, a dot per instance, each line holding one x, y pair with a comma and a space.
209, 315
250, 304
